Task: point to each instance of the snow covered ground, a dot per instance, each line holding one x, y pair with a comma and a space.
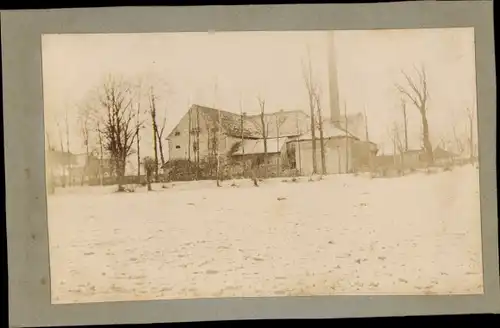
418, 234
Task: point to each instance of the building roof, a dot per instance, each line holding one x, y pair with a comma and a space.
330, 130
251, 147
231, 122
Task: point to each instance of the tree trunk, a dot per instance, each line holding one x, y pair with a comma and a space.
405, 127
426, 139
346, 140
298, 158
69, 152
197, 143
138, 143
242, 140
313, 136
121, 174
278, 167
189, 136
264, 136
155, 134
321, 138
471, 139
160, 146
101, 173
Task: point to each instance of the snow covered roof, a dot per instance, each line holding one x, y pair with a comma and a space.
330, 130
250, 147
282, 122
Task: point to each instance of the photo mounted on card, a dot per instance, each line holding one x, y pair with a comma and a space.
260, 170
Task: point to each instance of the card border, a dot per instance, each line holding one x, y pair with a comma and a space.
28, 251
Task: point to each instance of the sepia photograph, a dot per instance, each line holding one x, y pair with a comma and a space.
196, 165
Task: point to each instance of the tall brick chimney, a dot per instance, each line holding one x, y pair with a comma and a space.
333, 87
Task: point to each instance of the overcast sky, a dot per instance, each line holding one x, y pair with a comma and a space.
186, 67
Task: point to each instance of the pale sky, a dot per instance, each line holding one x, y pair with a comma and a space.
184, 68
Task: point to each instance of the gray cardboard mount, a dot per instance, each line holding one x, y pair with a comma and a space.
28, 251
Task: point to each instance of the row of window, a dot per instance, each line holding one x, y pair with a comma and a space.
194, 131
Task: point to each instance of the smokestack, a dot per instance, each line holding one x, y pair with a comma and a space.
333, 80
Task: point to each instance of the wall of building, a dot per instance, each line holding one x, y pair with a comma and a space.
181, 145
337, 159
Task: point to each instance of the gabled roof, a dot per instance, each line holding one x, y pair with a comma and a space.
231, 122
330, 130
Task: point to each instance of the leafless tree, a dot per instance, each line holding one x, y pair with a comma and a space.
262, 126
405, 124
367, 138
346, 139
64, 155
154, 126
279, 121
68, 157
398, 146
159, 134
86, 117
242, 130
49, 165
190, 132
196, 144
101, 152
149, 168
138, 140
470, 139
118, 126
298, 154
419, 96
311, 90
317, 102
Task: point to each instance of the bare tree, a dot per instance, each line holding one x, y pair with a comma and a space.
308, 79
49, 166
101, 152
242, 130
64, 165
419, 96
159, 133
218, 131
317, 100
190, 132
405, 124
298, 157
119, 127
149, 168
138, 141
196, 144
367, 138
398, 147
280, 120
69, 159
84, 120
470, 139
154, 125
262, 126
346, 139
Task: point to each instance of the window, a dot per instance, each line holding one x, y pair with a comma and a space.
177, 133
177, 147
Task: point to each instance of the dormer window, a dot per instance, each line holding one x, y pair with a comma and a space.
177, 133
